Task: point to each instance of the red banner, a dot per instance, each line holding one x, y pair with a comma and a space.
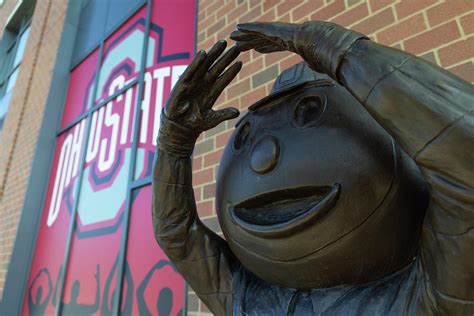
151, 285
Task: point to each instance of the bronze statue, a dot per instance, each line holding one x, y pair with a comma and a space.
349, 190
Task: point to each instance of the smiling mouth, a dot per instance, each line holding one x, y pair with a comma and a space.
284, 211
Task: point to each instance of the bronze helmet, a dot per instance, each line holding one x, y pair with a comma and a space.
310, 184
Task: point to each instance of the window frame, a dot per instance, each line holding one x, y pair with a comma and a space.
10, 66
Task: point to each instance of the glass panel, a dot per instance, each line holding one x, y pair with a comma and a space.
21, 47
170, 50
54, 225
79, 93
4, 103
101, 207
91, 27
159, 288
92, 265
12, 80
122, 55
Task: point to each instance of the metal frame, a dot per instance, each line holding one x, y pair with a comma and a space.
107, 34
12, 50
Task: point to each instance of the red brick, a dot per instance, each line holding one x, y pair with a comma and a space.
290, 61
305, 10
209, 191
201, 15
197, 193
238, 89
193, 303
465, 71
251, 16
457, 52
212, 158
376, 5
285, 18
225, 33
250, 98
221, 139
433, 38
286, 6
270, 16
234, 14
276, 57
467, 23
251, 67
375, 22
402, 30
197, 163
208, 43
408, 7
224, 9
270, 4
203, 25
214, 7
221, 99
352, 15
214, 28
329, 11
203, 176
448, 10
205, 208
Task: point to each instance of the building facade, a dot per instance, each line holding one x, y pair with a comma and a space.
82, 84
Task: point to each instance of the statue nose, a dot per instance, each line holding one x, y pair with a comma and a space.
265, 154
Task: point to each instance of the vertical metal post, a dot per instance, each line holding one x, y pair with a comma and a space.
128, 201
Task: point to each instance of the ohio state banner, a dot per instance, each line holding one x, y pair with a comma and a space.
93, 168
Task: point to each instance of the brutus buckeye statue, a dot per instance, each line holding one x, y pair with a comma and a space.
349, 190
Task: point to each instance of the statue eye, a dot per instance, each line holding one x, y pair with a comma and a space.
242, 136
308, 111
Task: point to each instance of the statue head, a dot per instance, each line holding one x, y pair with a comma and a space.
313, 192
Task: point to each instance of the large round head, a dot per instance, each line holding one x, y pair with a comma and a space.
313, 192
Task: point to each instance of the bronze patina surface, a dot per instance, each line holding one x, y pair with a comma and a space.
349, 190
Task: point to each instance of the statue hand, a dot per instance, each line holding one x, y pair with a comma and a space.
321, 44
188, 111
265, 37
190, 103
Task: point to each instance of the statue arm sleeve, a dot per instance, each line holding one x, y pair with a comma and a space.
430, 113
201, 256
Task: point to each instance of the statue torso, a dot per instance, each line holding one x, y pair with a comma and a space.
397, 294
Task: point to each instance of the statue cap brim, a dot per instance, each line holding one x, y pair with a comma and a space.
292, 79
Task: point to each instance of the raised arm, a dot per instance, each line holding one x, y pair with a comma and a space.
201, 256
428, 111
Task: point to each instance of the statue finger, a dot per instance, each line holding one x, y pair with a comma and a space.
212, 56
241, 36
254, 27
247, 45
224, 115
224, 61
224, 80
194, 66
270, 30
269, 49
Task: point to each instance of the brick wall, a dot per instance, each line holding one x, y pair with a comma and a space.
23, 120
439, 31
